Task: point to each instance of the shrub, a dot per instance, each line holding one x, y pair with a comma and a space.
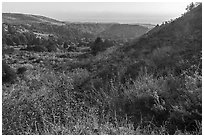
49, 103
8, 74
36, 48
35, 104
52, 48
16, 40
8, 50
172, 102
65, 45
100, 45
21, 70
9, 41
79, 76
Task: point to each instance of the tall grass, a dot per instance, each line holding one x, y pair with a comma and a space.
48, 102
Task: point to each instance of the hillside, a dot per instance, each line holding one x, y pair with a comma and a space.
15, 18
187, 27
181, 39
149, 26
92, 28
176, 45
124, 31
65, 79
74, 31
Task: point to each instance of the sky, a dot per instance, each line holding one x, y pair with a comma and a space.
121, 12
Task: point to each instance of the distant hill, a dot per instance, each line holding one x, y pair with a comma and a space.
149, 26
92, 28
124, 31
16, 18
73, 31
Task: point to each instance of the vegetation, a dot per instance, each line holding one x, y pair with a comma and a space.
124, 31
151, 86
8, 74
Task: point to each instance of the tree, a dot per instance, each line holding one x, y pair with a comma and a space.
96, 46
190, 6
51, 45
11, 29
197, 3
101, 45
98, 40
65, 45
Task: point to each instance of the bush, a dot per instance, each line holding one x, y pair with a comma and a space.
36, 48
65, 45
16, 40
52, 48
9, 41
172, 102
8, 74
8, 50
21, 70
100, 45
35, 104
79, 76
52, 103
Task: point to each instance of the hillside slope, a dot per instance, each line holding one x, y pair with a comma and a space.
124, 31
74, 30
176, 45
16, 18
184, 33
92, 28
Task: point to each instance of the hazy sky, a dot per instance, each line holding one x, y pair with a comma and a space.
122, 12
